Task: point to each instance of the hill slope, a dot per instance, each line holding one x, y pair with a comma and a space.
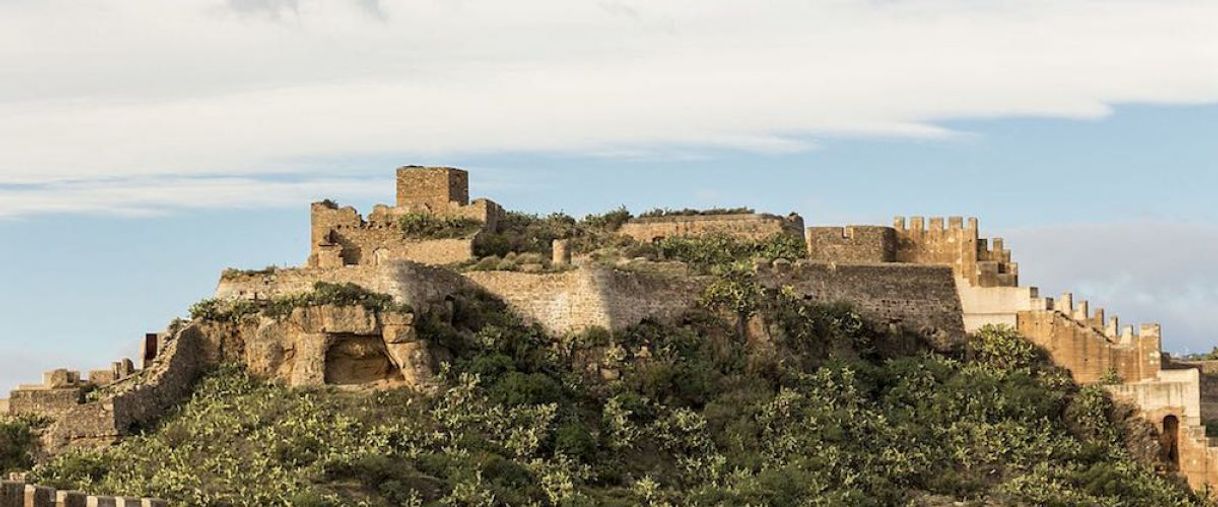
759, 399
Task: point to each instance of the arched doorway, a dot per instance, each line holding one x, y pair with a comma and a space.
1169, 442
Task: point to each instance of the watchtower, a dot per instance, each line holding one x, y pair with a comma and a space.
432, 189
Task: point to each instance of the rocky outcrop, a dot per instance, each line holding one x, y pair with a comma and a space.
340, 345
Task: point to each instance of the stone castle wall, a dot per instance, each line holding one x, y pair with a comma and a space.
949, 242
917, 298
748, 226
576, 300
415, 284
1087, 352
852, 245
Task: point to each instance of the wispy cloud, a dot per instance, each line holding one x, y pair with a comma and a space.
151, 196
1142, 271
147, 89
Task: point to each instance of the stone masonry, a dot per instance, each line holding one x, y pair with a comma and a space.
341, 237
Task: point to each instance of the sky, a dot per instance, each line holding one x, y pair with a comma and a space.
146, 145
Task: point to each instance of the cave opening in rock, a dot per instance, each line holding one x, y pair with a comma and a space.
355, 360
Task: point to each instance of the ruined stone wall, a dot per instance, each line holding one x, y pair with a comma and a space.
747, 226
411, 283
46, 401
918, 298
16, 493
132, 401
376, 244
341, 237
852, 245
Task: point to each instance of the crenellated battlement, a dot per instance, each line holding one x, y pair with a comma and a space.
15, 492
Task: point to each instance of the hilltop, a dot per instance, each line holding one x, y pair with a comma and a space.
443, 350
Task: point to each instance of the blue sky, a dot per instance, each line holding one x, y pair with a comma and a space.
1118, 209
145, 146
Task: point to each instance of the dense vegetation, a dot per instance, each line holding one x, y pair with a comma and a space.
685, 212
323, 293
528, 233
820, 410
18, 438
429, 226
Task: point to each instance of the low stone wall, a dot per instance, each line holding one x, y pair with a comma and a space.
747, 226
47, 401
14, 493
919, 298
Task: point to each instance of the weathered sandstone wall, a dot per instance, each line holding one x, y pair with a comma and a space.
918, 298
747, 226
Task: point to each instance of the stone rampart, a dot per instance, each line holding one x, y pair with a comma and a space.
752, 226
918, 298
852, 245
415, 284
950, 242
16, 493
576, 300
1090, 346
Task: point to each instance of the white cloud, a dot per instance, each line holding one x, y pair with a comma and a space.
140, 89
1144, 271
150, 196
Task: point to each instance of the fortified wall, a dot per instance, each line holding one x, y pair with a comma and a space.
751, 226
342, 237
1092, 345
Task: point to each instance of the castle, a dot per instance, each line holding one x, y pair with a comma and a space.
936, 277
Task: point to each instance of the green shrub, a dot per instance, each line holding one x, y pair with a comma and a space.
833, 419
323, 293
665, 212
18, 441
429, 226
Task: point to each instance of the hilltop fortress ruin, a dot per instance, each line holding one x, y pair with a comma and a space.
939, 278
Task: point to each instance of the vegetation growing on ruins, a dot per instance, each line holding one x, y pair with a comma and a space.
821, 409
686, 212
429, 226
323, 293
18, 441
528, 233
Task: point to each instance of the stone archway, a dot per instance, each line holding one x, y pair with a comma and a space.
1169, 442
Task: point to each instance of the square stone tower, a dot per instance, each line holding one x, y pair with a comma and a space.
432, 189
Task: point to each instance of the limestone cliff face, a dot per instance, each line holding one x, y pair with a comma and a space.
341, 345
